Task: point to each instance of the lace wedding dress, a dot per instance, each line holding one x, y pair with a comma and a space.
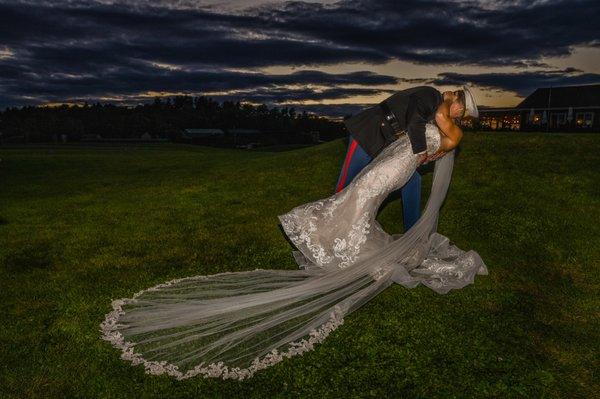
230, 325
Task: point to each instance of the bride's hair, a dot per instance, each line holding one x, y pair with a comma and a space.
461, 97
461, 100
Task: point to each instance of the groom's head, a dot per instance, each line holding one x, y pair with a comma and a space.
462, 103
457, 105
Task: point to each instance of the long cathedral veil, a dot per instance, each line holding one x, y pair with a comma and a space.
230, 325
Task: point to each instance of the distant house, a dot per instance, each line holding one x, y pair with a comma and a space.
245, 138
201, 133
90, 137
314, 136
279, 137
568, 108
244, 131
96, 138
203, 136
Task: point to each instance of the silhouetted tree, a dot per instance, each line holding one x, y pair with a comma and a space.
162, 117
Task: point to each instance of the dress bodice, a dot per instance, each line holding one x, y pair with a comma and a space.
433, 137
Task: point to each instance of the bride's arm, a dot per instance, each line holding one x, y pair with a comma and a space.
451, 134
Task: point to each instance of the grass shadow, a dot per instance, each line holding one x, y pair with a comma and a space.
37, 255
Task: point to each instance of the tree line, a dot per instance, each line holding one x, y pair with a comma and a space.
162, 118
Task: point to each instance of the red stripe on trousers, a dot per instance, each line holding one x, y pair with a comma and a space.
351, 149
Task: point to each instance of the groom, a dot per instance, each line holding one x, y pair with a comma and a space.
404, 112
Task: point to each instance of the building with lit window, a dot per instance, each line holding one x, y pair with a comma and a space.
567, 109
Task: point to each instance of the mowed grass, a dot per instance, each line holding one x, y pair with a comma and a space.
82, 226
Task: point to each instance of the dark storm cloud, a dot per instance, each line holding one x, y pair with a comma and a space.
521, 83
430, 31
188, 37
142, 76
53, 51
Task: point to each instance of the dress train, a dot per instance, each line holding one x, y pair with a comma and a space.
231, 325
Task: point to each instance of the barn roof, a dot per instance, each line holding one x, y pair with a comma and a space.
567, 96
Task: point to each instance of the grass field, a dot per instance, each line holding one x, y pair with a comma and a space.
82, 226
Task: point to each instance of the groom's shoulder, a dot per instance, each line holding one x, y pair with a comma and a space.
418, 91
427, 96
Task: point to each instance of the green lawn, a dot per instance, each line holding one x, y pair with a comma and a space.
82, 226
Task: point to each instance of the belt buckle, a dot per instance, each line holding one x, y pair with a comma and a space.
392, 122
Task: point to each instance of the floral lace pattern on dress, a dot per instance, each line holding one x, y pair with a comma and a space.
300, 228
307, 225
348, 251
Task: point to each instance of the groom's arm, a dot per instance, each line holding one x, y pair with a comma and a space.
415, 124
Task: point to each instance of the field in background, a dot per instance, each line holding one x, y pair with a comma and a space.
80, 226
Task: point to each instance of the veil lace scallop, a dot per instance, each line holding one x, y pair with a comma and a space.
231, 325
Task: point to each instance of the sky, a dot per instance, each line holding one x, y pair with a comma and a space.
329, 57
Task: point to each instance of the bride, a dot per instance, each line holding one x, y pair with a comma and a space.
231, 325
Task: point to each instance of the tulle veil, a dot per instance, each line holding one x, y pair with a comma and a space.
231, 325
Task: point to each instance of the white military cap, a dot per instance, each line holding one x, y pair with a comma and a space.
470, 105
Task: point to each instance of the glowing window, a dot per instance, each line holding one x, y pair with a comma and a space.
584, 119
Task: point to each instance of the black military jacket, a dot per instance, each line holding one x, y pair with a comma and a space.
412, 107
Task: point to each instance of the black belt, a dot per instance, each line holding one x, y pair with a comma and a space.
392, 121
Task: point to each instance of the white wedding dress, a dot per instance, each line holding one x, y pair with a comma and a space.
230, 325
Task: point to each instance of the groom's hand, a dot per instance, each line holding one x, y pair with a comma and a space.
435, 156
422, 159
